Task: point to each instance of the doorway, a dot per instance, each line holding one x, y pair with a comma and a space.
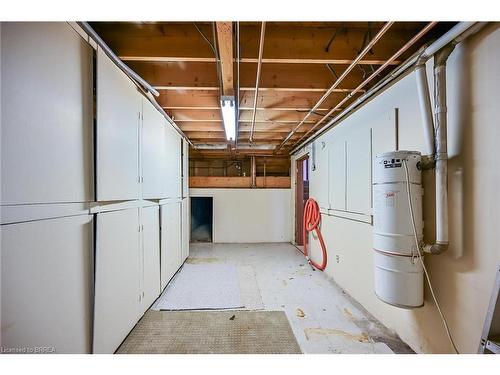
202, 209
301, 196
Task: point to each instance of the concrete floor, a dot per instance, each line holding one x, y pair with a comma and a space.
323, 317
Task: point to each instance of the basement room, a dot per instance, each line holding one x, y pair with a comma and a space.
231, 183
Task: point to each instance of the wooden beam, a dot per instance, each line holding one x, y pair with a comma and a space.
238, 182
225, 44
267, 99
302, 76
284, 40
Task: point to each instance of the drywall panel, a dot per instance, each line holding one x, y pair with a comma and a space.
462, 277
320, 190
46, 117
150, 225
337, 176
46, 269
173, 145
171, 241
249, 215
117, 278
358, 171
117, 140
154, 153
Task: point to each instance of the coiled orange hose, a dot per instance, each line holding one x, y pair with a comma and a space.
312, 221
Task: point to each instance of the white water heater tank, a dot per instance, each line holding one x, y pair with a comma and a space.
398, 272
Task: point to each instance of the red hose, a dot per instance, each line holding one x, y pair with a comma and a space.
312, 221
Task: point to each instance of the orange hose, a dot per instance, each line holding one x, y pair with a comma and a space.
312, 221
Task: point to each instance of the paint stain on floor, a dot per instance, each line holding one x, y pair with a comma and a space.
314, 333
192, 260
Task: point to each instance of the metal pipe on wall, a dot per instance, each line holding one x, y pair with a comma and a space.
441, 152
253, 171
425, 107
455, 35
365, 50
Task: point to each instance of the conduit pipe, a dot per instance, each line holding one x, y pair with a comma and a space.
456, 34
373, 75
365, 50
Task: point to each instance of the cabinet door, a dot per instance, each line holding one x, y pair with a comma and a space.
46, 268
171, 241
173, 181
118, 110
117, 278
185, 223
46, 114
154, 153
150, 223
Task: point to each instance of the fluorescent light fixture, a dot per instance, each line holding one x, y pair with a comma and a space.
229, 116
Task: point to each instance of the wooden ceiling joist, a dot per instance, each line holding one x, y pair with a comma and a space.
300, 66
225, 45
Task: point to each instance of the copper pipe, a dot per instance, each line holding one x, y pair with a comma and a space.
403, 49
367, 48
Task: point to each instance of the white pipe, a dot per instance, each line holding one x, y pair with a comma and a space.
425, 108
441, 154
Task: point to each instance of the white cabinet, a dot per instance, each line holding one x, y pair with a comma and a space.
171, 241
186, 228
117, 278
185, 168
154, 153
173, 163
46, 269
150, 225
46, 115
118, 118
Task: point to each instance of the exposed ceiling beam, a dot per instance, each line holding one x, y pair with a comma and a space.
225, 45
167, 59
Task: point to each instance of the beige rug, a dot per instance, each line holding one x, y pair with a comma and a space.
211, 332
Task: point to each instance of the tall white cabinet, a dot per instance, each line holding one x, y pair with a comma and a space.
93, 194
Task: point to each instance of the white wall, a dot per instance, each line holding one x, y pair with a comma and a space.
462, 277
249, 215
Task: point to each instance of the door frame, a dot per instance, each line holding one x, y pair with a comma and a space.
299, 199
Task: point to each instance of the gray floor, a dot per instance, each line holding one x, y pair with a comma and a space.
323, 317
211, 332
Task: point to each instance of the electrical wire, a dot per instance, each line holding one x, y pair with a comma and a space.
445, 323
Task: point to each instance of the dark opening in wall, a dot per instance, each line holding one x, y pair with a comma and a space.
201, 219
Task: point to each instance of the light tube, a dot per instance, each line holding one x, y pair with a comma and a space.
228, 116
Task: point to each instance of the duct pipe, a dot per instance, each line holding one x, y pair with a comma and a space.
441, 154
